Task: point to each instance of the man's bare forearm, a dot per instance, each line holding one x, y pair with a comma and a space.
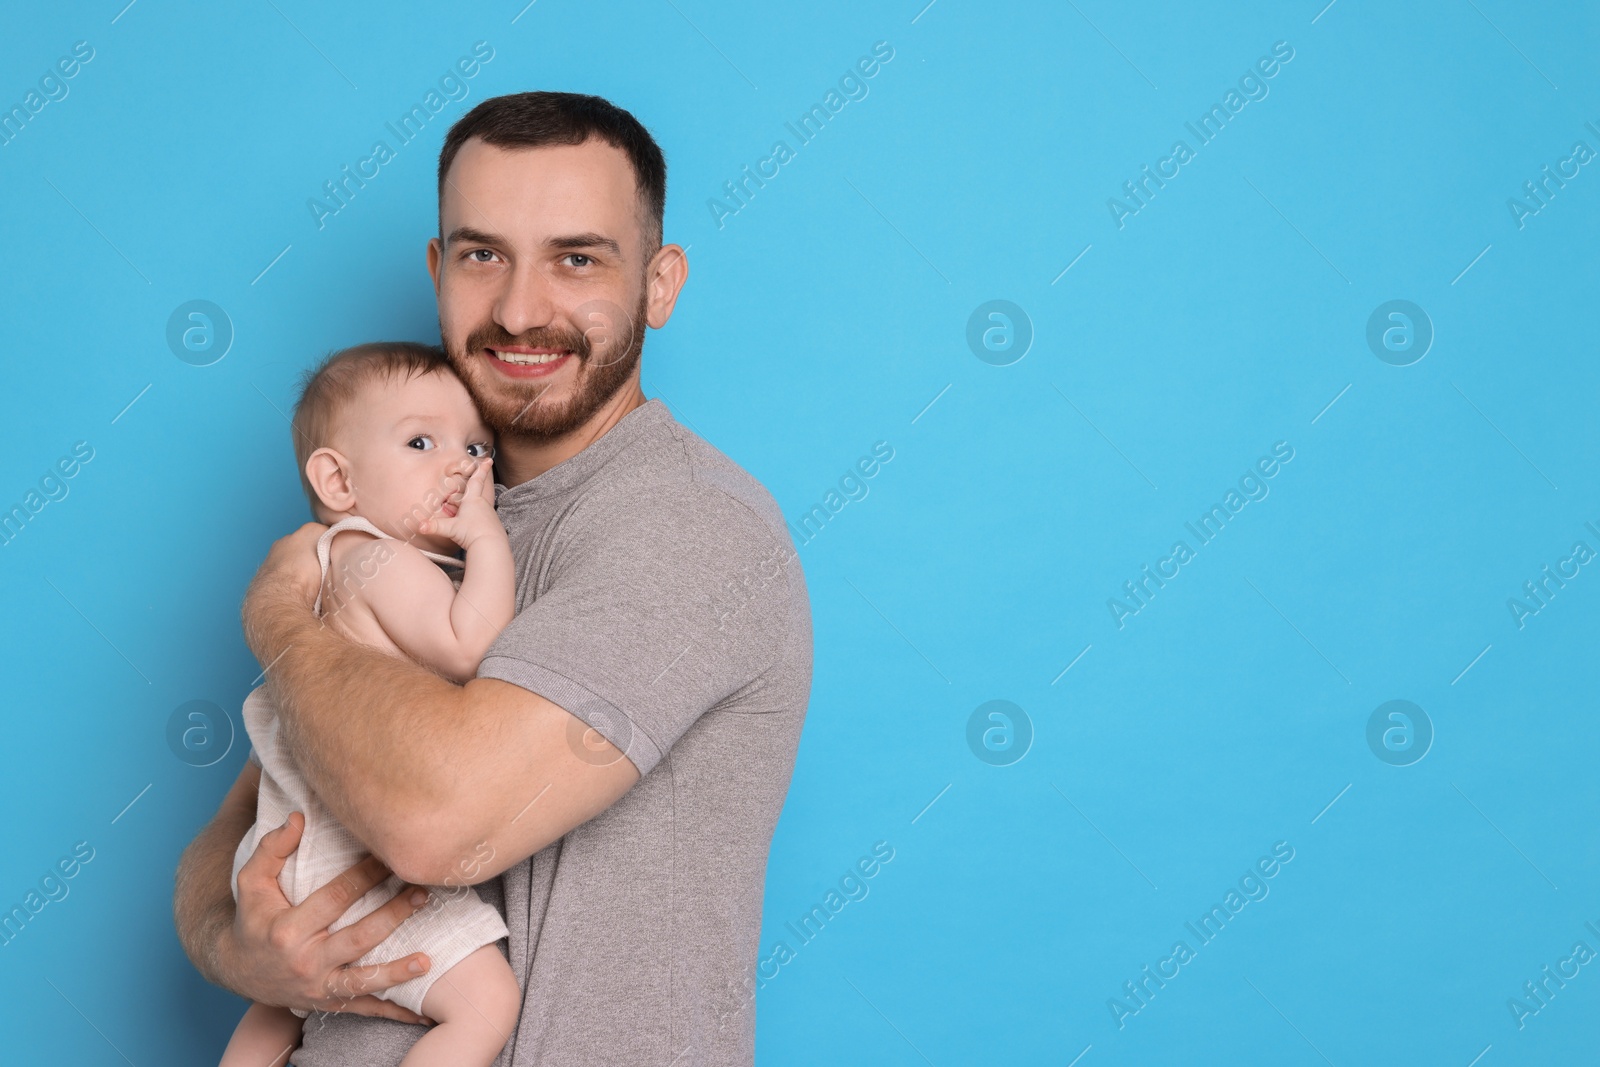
370, 731
202, 899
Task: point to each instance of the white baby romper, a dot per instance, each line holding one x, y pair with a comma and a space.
455, 921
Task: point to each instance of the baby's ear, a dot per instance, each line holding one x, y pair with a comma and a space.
329, 474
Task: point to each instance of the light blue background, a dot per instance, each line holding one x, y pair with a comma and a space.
823, 317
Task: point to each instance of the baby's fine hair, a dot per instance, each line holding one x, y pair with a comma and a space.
327, 389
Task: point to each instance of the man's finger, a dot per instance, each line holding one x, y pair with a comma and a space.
295, 549
356, 940
293, 545
260, 872
348, 982
281, 842
332, 899
309, 531
369, 1005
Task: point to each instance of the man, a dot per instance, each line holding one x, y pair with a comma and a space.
613, 774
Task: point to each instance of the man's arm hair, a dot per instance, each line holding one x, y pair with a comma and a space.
202, 901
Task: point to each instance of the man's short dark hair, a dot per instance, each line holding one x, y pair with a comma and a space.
529, 120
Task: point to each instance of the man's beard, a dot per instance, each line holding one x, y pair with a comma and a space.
513, 408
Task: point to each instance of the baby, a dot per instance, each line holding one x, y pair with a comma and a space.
394, 456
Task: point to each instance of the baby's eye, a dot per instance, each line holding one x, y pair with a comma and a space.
428, 445
480, 450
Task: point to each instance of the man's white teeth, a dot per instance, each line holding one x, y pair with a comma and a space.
524, 360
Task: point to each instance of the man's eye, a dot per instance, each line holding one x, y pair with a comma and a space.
427, 444
476, 252
480, 450
579, 255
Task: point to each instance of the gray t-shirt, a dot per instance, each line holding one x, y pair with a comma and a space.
659, 600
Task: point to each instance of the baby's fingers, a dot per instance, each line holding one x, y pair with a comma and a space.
482, 480
440, 524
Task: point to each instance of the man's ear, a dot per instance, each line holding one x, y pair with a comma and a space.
435, 261
665, 274
329, 474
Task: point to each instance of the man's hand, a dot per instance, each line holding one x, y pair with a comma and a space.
289, 575
283, 955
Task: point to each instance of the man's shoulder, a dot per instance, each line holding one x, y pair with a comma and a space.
675, 480
683, 510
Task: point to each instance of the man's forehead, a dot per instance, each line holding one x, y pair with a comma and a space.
535, 193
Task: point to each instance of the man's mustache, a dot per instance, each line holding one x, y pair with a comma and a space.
496, 337
606, 325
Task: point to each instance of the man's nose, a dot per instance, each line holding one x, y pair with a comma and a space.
525, 303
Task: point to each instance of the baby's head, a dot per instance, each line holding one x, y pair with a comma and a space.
388, 432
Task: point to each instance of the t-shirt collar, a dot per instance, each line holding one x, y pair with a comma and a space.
576, 469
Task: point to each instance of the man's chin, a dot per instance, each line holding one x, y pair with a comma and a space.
516, 407
540, 416
543, 408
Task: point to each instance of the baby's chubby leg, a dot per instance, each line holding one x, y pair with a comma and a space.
264, 1038
476, 1004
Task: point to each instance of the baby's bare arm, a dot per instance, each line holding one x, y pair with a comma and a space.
485, 603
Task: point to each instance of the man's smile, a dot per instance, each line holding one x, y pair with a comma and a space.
519, 361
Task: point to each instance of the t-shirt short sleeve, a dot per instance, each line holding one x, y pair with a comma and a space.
653, 612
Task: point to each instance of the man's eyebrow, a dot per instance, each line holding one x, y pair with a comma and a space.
591, 239
586, 240
471, 236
